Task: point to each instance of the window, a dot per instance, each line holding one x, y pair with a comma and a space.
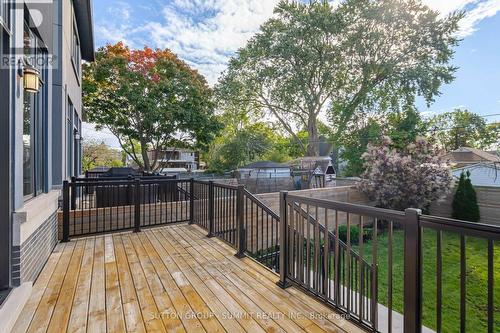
73, 141
75, 50
34, 117
69, 140
5, 13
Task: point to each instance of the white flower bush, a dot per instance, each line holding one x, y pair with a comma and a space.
412, 178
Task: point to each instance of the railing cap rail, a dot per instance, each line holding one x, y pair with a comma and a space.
489, 231
385, 214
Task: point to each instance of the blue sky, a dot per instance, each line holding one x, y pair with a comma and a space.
205, 33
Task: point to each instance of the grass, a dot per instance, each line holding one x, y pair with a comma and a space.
476, 281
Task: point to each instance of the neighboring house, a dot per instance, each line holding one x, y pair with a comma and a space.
264, 170
465, 156
173, 160
482, 174
43, 43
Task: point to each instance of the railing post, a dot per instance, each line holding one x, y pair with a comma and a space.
283, 282
73, 193
191, 201
211, 207
65, 231
137, 205
412, 272
240, 221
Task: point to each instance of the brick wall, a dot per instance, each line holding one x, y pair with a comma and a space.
29, 258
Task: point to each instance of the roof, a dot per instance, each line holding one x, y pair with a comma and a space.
467, 154
478, 165
265, 165
83, 13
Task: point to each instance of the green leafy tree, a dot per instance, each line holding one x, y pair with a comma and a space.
401, 127
149, 97
462, 128
246, 145
98, 154
464, 204
356, 144
405, 127
360, 55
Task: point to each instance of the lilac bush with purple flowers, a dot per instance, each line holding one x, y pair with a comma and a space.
413, 177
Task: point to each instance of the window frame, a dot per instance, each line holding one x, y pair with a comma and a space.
76, 52
5, 15
38, 120
69, 138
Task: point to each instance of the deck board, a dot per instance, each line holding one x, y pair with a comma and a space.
166, 279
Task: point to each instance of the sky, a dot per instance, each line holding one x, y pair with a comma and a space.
206, 33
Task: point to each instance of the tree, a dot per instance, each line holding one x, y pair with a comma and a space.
462, 128
149, 97
401, 127
98, 154
464, 204
357, 56
356, 144
410, 178
246, 145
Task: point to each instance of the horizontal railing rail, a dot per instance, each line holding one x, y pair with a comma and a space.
224, 212
363, 261
261, 231
478, 234
92, 207
348, 277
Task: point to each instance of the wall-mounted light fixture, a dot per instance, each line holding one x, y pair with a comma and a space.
31, 77
77, 135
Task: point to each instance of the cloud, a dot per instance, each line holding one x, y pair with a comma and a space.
89, 133
482, 11
476, 11
206, 33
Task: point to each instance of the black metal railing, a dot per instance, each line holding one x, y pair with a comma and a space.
346, 275
92, 206
354, 258
261, 226
224, 212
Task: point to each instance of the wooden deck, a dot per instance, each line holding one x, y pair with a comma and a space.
170, 278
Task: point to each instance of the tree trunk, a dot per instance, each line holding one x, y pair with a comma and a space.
145, 157
312, 130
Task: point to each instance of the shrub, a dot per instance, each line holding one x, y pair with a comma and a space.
465, 205
367, 234
413, 177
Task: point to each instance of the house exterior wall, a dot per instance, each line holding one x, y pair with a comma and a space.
67, 88
180, 158
481, 175
6, 115
28, 223
264, 173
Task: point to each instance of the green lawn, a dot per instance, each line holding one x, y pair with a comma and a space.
476, 288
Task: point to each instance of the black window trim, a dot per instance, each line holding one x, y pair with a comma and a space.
39, 119
6, 24
76, 47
